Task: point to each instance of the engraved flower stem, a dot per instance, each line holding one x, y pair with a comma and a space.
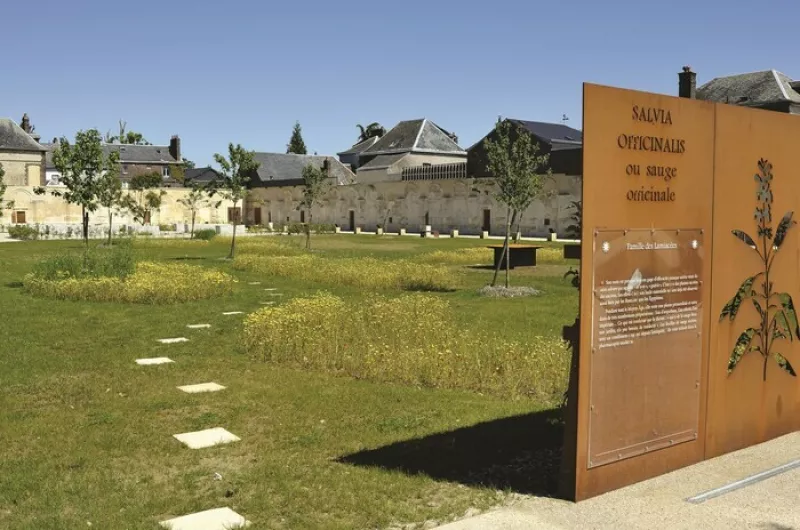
766, 335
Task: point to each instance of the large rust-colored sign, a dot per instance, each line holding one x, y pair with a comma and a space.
646, 342
682, 199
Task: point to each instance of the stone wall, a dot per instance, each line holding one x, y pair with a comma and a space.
442, 204
47, 209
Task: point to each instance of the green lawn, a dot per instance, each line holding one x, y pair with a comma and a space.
86, 434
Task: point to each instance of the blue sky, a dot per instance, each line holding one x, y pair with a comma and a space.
244, 71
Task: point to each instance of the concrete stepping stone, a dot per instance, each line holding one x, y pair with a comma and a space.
233, 313
270, 288
173, 341
267, 303
198, 326
206, 438
216, 519
154, 360
202, 387
253, 283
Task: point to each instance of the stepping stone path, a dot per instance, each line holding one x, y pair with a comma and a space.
234, 313
206, 438
216, 519
198, 326
202, 387
173, 341
270, 288
267, 303
253, 283
154, 360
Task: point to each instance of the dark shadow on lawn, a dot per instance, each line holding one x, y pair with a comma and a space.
520, 453
188, 258
15, 285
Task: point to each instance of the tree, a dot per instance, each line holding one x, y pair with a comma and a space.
315, 185
519, 173
296, 144
374, 129
196, 199
236, 171
126, 137
81, 167
145, 197
109, 194
188, 164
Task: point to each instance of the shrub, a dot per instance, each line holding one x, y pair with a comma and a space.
168, 228
149, 283
207, 234
550, 255
23, 232
367, 273
411, 339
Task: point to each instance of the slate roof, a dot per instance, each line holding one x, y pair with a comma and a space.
360, 147
410, 136
287, 169
382, 161
200, 174
14, 138
557, 135
128, 154
752, 89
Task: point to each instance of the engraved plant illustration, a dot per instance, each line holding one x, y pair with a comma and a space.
778, 319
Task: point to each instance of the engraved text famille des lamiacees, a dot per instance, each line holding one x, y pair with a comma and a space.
663, 174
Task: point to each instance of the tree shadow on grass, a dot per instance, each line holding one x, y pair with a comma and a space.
520, 453
188, 258
15, 285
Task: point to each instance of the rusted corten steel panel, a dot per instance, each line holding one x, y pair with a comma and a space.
688, 207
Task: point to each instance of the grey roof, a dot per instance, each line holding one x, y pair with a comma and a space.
128, 154
200, 174
138, 154
382, 161
14, 138
287, 169
361, 146
415, 136
558, 135
755, 88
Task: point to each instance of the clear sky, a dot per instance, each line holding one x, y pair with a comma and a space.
243, 71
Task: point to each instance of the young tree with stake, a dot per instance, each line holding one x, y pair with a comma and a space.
315, 185
81, 166
109, 193
236, 171
519, 172
196, 198
145, 197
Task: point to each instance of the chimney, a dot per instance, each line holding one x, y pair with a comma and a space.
687, 83
326, 167
175, 147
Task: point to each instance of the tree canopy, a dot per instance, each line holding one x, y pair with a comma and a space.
236, 170
296, 144
374, 129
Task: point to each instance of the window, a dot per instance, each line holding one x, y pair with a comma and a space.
124, 169
547, 222
234, 215
165, 171
302, 216
18, 217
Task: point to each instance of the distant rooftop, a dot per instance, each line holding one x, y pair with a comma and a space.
14, 138
422, 136
751, 89
287, 169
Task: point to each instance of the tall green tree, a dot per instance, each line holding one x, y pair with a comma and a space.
81, 166
145, 197
296, 144
374, 129
109, 194
125, 136
315, 186
519, 172
236, 171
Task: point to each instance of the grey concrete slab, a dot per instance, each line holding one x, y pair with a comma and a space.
216, 519
198, 326
206, 438
772, 504
154, 360
201, 387
174, 340
228, 313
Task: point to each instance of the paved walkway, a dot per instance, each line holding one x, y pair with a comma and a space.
772, 504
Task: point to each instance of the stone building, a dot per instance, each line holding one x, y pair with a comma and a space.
767, 90
23, 161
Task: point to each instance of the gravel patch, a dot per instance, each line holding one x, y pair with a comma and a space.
510, 292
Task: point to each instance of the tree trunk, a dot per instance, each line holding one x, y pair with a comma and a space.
508, 250
110, 224
233, 239
194, 215
308, 230
85, 222
504, 252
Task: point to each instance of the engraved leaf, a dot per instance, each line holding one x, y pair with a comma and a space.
781, 329
786, 223
742, 347
784, 363
745, 238
757, 305
789, 313
745, 291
